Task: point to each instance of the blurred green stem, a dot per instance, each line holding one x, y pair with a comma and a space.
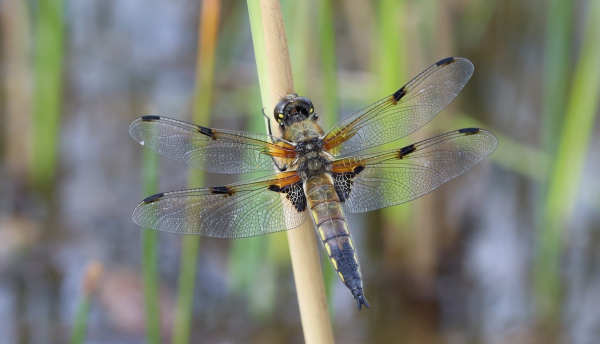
392, 67
556, 71
81, 320
92, 275
149, 252
567, 170
207, 41
49, 36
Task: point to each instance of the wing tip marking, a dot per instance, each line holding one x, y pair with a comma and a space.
150, 118
153, 198
445, 62
469, 131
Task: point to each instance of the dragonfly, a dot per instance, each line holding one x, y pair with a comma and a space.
317, 173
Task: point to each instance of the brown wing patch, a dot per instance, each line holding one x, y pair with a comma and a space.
282, 150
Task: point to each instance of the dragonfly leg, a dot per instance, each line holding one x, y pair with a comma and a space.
280, 168
268, 124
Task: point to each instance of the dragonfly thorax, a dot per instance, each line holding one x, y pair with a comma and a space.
312, 160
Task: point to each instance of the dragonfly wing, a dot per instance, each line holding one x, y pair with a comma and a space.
212, 150
402, 112
380, 180
257, 207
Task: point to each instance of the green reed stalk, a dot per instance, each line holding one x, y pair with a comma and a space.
556, 71
47, 107
150, 253
207, 41
563, 187
81, 321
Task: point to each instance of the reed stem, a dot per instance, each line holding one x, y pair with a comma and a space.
275, 77
150, 253
565, 176
47, 104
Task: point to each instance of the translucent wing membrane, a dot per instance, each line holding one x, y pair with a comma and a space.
213, 150
380, 180
403, 112
233, 211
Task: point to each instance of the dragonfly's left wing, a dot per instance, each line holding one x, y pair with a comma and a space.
256, 207
212, 150
380, 180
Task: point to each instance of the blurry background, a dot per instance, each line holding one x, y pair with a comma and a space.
507, 253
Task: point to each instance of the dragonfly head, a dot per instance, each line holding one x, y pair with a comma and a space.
293, 108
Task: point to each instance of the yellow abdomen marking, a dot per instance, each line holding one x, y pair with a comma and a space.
350, 242
334, 263
322, 234
328, 248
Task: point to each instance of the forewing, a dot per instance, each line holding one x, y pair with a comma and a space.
402, 112
212, 150
380, 180
233, 211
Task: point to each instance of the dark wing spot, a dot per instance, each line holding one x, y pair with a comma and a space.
153, 198
399, 94
343, 182
150, 118
221, 190
469, 131
445, 61
275, 188
358, 169
406, 150
206, 131
294, 193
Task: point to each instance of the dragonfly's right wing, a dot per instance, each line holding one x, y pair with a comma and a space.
238, 210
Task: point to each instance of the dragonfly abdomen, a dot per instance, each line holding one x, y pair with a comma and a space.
333, 232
